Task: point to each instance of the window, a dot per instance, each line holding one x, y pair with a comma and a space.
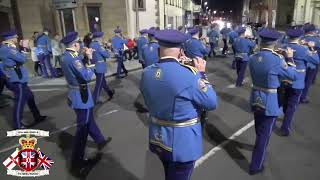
140, 3
67, 20
94, 19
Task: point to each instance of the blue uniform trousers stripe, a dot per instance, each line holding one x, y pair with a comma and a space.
86, 125
49, 66
308, 82
291, 102
100, 83
315, 76
121, 68
241, 71
173, 170
23, 95
263, 127
46, 66
212, 49
41, 58
178, 170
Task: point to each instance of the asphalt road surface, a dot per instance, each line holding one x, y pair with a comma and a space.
228, 136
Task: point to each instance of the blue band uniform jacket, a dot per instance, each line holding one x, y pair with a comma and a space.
267, 68
316, 40
175, 94
43, 44
76, 74
243, 47
301, 56
99, 57
150, 53
13, 62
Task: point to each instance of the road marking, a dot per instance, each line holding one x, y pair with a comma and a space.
107, 113
46, 90
220, 146
43, 90
231, 86
57, 131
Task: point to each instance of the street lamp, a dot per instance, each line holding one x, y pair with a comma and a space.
214, 12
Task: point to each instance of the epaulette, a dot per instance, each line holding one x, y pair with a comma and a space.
191, 68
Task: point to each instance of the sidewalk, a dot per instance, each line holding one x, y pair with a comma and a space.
111, 71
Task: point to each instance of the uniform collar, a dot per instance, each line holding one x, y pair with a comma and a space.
72, 51
69, 49
168, 59
267, 49
153, 42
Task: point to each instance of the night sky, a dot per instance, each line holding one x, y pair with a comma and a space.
223, 4
226, 5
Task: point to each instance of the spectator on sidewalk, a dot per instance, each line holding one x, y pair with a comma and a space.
87, 39
130, 51
34, 58
56, 51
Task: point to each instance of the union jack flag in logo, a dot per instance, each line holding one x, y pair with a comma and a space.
28, 160
44, 161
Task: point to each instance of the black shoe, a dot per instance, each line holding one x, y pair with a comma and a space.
254, 172
3, 103
40, 119
284, 133
25, 126
82, 168
98, 102
104, 143
304, 101
22, 127
111, 93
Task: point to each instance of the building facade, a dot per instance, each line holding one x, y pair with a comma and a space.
62, 16
27, 16
175, 13
306, 11
282, 13
261, 11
